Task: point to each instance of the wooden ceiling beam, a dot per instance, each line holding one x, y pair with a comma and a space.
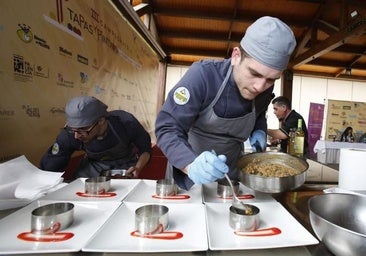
329, 19
348, 49
338, 64
330, 75
131, 16
350, 64
326, 27
228, 45
236, 37
357, 27
351, 49
180, 63
221, 54
201, 35
142, 9
197, 52
342, 23
308, 34
220, 16
196, 14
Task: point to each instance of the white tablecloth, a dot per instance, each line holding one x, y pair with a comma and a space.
328, 151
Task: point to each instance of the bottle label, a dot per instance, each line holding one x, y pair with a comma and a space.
299, 146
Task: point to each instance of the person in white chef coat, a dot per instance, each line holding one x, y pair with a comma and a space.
217, 105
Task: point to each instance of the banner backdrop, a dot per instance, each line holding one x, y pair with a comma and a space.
315, 123
54, 50
342, 114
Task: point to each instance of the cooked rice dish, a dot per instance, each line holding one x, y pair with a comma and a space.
269, 169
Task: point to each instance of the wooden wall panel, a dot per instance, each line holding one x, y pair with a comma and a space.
52, 51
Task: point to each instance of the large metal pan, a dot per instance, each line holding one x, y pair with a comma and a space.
273, 184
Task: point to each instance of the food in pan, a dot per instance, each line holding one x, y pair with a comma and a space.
266, 169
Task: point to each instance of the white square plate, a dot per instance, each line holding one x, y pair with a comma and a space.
272, 215
88, 218
115, 236
119, 190
6, 204
145, 192
210, 194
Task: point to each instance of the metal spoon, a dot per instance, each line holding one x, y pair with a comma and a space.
236, 201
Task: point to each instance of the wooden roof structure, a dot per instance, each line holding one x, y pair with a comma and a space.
330, 34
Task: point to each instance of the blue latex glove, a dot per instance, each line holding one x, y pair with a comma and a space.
207, 167
258, 139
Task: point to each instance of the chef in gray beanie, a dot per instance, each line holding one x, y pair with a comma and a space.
84, 111
269, 41
218, 104
111, 140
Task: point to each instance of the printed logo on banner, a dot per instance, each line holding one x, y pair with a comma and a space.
77, 24
23, 70
83, 77
31, 111
83, 59
41, 71
98, 89
343, 115
57, 111
41, 42
6, 114
64, 52
95, 63
333, 106
24, 33
61, 81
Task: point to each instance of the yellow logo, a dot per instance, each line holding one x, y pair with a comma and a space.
181, 95
24, 33
55, 149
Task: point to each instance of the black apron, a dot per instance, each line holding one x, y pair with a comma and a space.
120, 156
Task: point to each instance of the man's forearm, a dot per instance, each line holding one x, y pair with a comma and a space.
276, 133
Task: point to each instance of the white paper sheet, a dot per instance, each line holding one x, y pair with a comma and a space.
20, 179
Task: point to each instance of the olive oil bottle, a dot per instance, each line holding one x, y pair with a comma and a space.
299, 139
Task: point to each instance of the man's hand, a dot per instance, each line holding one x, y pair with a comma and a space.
133, 172
207, 167
258, 139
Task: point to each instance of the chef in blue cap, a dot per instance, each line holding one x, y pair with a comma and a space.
217, 105
111, 140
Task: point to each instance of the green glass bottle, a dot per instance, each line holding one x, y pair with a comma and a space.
299, 139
